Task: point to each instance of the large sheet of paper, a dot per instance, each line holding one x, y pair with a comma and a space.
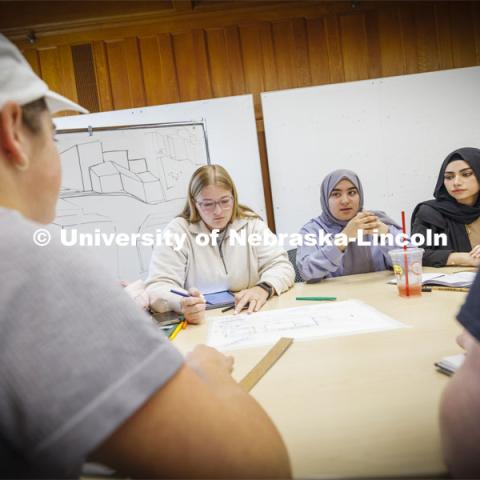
301, 323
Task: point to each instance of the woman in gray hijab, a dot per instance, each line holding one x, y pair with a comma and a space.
341, 198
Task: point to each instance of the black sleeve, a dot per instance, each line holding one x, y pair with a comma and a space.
469, 315
433, 256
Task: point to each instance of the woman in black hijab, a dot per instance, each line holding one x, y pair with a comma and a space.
455, 211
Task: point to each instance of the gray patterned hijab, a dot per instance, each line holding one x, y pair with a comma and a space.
357, 259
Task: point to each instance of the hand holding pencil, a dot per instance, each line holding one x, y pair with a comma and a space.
193, 307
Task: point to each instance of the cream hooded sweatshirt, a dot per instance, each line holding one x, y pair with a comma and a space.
213, 268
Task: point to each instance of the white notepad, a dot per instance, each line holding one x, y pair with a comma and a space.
449, 365
460, 279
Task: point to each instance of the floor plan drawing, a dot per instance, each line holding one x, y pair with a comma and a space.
127, 180
349, 317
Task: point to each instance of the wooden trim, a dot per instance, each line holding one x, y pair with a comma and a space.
267, 188
170, 21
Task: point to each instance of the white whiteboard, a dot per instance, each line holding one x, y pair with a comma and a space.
135, 180
394, 132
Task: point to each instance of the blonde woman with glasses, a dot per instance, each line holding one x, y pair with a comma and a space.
256, 272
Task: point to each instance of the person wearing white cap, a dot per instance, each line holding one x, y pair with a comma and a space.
84, 373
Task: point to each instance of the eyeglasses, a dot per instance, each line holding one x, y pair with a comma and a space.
209, 205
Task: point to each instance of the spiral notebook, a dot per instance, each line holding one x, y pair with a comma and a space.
459, 279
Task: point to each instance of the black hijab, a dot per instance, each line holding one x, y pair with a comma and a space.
444, 203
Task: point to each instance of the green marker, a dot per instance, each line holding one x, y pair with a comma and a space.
316, 298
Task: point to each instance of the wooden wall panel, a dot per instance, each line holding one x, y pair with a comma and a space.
102, 74
56, 68
85, 81
50, 68
373, 45
134, 72
219, 64
354, 47
201, 65
270, 71
185, 65
444, 35
284, 49
192, 66
126, 77
213, 49
67, 73
335, 55
318, 51
476, 28
426, 38
235, 60
251, 46
409, 41
392, 58
463, 35
31, 54
117, 67
338, 44
159, 73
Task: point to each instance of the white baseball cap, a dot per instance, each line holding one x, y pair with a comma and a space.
19, 83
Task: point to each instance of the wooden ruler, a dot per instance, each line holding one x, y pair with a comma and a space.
264, 365
449, 289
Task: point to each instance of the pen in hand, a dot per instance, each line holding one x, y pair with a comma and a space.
186, 295
193, 305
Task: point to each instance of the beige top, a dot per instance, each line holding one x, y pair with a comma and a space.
473, 232
213, 268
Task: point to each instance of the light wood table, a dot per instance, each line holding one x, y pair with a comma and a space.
362, 405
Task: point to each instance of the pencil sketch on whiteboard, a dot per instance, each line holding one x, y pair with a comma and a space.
127, 180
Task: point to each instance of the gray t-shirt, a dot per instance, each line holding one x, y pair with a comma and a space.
77, 356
